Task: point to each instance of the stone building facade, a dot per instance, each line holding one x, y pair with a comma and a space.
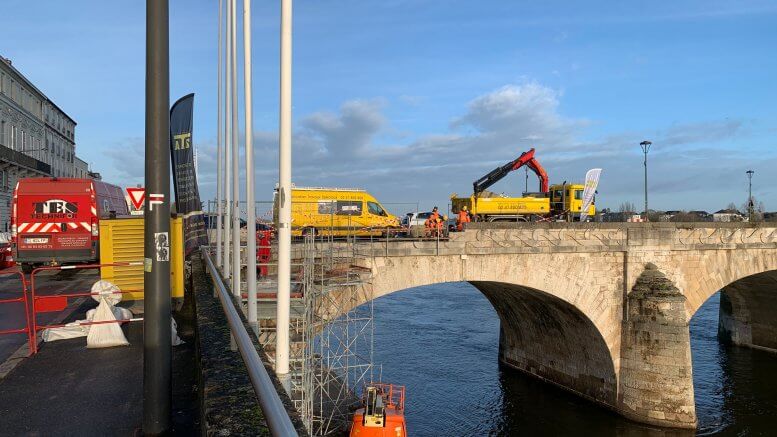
37, 138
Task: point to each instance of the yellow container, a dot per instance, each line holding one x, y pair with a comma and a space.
121, 240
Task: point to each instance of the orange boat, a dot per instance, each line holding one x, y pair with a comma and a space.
382, 414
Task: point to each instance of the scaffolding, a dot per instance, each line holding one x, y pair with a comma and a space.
331, 324
338, 334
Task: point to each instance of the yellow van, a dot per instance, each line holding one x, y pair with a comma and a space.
337, 212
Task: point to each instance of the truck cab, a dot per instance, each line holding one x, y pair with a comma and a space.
569, 198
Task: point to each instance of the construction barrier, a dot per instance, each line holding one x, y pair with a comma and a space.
58, 302
20, 300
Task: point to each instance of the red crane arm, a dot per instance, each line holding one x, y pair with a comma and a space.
527, 158
539, 171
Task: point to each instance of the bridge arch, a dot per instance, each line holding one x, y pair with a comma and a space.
732, 271
553, 313
748, 311
547, 337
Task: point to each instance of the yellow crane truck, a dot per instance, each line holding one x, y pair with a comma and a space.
552, 202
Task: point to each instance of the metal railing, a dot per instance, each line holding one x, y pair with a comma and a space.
275, 413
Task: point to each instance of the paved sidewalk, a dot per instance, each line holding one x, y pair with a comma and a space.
69, 390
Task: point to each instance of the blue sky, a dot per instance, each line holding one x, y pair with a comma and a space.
414, 100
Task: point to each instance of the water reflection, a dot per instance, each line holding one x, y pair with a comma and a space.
442, 343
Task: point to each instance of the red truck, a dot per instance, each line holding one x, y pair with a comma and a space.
55, 220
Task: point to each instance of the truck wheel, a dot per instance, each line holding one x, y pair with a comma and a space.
27, 268
309, 231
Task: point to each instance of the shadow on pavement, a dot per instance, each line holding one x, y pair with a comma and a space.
67, 389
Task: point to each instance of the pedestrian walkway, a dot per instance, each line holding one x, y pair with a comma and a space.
68, 390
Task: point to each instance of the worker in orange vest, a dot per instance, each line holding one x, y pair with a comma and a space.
432, 223
441, 220
462, 218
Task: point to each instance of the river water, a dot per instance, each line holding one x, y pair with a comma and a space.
441, 342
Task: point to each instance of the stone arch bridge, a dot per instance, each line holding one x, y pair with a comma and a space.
602, 310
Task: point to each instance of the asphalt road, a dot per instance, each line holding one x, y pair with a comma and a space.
46, 282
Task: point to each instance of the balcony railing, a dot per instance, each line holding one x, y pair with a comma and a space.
19, 158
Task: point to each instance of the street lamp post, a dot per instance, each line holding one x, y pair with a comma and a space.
645, 149
157, 347
750, 195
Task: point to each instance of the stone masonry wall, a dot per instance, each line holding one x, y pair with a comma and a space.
656, 383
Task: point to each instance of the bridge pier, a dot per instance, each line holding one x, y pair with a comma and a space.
656, 381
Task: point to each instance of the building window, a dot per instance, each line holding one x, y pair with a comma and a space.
13, 138
2, 132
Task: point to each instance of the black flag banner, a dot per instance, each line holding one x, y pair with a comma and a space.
187, 195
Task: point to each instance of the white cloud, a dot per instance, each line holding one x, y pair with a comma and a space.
350, 131
347, 147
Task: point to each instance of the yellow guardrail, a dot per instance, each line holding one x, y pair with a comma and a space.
121, 240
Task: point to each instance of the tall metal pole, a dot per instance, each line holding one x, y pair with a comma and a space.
228, 143
284, 200
250, 197
750, 205
157, 347
235, 163
645, 149
219, 163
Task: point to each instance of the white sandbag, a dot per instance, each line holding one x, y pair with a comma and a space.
122, 313
105, 334
118, 312
71, 330
174, 329
100, 335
